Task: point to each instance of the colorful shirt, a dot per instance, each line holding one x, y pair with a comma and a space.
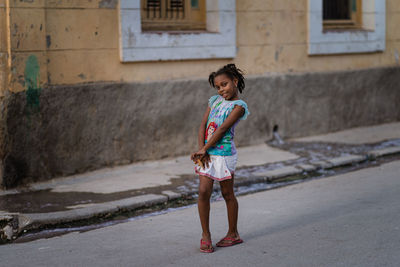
220, 110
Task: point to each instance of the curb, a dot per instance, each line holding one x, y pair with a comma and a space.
279, 173
307, 167
322, 164
32, 221
383, 152
346, 160
12, 224
339, 161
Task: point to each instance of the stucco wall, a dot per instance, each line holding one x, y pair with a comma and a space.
69, 105
84, 127
78, 42
3, 49
3, 82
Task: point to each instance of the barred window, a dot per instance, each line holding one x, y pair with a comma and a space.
342, 13
173, 15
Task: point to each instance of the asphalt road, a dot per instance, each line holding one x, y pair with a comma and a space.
346, 220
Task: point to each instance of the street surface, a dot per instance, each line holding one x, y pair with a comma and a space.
351, 219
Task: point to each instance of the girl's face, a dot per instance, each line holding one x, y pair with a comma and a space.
226, 87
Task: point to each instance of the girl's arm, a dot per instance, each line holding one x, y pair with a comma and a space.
200, 138
202, 128
235, 115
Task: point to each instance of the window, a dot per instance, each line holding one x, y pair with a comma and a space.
218, 40
342, 14
173, 15
368, 36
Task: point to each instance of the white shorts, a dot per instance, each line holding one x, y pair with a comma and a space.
220, 168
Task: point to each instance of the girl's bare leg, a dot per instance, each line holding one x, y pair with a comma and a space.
203, 203
231, 205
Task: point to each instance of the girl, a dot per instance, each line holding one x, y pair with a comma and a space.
217, 151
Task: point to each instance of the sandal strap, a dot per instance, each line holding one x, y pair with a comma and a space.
205, 242
230, 238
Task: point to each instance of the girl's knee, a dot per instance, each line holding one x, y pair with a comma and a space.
228, 195
204, 193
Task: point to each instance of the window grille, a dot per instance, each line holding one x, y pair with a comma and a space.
341, 13
339, 9
161, 15
176, 7
153, 9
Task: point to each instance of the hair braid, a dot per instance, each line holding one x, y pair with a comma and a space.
232, 72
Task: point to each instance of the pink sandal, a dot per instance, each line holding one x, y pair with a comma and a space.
233, 241
207, 243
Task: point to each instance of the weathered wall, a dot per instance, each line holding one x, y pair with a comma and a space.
83, 127
3, 48
272, 37
68, 104
78, 41
27, 40
3, 83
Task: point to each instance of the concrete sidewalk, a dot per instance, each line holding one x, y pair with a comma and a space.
144, 184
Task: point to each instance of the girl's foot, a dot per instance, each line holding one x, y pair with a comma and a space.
229, 240
206, 244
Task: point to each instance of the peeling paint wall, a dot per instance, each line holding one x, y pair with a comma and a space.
85, 127
3, 48
78, 41
58, 117
4, 71
108, 3
27, 38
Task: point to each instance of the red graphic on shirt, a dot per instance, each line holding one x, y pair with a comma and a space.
212, 127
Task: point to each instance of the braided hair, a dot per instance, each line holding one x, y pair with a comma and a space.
232, 72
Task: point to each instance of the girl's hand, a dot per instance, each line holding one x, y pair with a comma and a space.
198, 155
206, 160
201, 155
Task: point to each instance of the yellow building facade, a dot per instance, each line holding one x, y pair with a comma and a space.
82, 86
78, 42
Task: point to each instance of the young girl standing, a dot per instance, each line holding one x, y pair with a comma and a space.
217, 155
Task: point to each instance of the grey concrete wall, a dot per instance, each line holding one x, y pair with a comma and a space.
3, 135
76, 128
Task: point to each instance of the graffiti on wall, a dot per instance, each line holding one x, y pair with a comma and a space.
32, 84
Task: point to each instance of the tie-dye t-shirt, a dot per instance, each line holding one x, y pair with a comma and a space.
220, 110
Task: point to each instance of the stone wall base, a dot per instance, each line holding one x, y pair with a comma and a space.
77, 128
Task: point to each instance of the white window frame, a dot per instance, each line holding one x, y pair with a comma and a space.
371, 38
218, 41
